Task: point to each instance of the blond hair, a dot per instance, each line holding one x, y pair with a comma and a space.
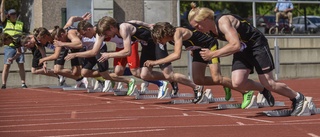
104, 24
199, 14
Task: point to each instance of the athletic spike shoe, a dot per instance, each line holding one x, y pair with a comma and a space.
298, 105
61, 80
270, 99
107, 86
85, 82
24, 85
162, 89
144, 86
227, 93
247, 99
131, 85
175, 88
198, 92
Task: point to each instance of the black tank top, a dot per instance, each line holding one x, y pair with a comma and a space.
35, 49
70, 28
200, 40
246, 32
142, 34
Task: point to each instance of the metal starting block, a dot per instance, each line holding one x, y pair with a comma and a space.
153, 96
310, 110
123, 91
256, 102
149, 92
56, 87
207, 98
73, 89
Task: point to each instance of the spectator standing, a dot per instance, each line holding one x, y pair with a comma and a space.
12, 27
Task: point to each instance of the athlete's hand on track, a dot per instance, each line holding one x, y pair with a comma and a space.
206, 54
104, 57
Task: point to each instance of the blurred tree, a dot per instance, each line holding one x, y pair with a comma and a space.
13, 4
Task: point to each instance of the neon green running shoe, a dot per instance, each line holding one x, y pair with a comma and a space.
247, 99
228, 93
131, 85
113, 84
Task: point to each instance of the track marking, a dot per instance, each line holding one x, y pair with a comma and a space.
185, 114
99, 118
312, 135
83, 95
157, 127
108, 133
63, 123
225, 115
240, 123
302, 120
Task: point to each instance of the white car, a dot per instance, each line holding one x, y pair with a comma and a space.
313, 24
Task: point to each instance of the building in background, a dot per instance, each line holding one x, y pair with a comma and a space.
49, 13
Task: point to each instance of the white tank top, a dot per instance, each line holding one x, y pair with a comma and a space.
118, 41
88, 43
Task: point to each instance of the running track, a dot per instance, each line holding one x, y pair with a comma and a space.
45, 112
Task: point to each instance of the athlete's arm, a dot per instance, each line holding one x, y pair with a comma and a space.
53, 56
141, 23
42, 51
125, 31
88, 53
178, 38
3, 14
74, 19
75, 40
231, 36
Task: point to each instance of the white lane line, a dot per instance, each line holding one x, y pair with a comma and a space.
155, 127
312, 135
97, 118
302, 120
240, 123
141, 107
63, 123
185, 114
84, 95
224, 115
108, 133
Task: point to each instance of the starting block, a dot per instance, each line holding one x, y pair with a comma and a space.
310, 110
149, 92
153, 96
256, 102
207, 98
56, 87
73, 89
123, 91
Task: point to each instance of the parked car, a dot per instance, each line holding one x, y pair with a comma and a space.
266, 21
313, 24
